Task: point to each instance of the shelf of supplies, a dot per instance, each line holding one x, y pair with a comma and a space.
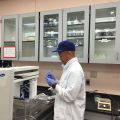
50, 46
51, 38
105, 37
107, 19
76, 24
105, 30
75, 37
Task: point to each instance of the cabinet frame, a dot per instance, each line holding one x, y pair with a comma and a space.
16, 36
36, 15
115, 58
85, 9
42, 14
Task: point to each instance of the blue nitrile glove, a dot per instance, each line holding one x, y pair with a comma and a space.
50, 80
50, 75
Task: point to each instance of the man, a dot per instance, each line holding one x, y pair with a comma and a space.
70, 91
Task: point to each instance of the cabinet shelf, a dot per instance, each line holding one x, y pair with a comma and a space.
76, 25
28, 41
52, 26
105, 37
105, 30
9, 41
107, 19
51, 38
75, 37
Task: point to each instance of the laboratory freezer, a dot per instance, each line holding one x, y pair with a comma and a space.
6, 93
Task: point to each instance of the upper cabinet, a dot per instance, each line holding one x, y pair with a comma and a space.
104, 33
10, 35
50, 34
99, 23
28, 36
76, 29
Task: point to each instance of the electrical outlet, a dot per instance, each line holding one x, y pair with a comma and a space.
87, 81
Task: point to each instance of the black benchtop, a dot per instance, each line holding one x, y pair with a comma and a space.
91, 105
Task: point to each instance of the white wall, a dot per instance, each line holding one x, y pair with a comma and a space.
103, 76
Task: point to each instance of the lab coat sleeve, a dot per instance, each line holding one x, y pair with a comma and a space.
71, 92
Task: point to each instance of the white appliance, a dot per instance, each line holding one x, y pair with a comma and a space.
6, 93
25, 78
11, 80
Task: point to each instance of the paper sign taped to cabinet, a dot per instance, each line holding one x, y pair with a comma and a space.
9, 52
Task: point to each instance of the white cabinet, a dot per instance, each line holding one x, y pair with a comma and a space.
50, 34
10, 34
28, 36
76, 29
67, 24
21, 31
104, 33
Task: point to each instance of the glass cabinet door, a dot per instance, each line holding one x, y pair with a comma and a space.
104, 26
10, 34
50, 34
28, 36
76, 28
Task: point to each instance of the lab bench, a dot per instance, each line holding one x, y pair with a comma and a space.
91, 113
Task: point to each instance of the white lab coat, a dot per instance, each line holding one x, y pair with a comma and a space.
70, 97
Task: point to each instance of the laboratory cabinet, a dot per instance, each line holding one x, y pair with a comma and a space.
76, 30
28, 36
21, 31
10, 35
104, 33
50, 34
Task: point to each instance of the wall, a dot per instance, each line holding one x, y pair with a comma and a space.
8, 7
102, 76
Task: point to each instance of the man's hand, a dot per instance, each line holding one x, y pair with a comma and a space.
49, 77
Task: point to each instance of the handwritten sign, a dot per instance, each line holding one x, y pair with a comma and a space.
9, 52
0, 51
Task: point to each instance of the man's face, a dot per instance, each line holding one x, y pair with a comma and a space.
63, 57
